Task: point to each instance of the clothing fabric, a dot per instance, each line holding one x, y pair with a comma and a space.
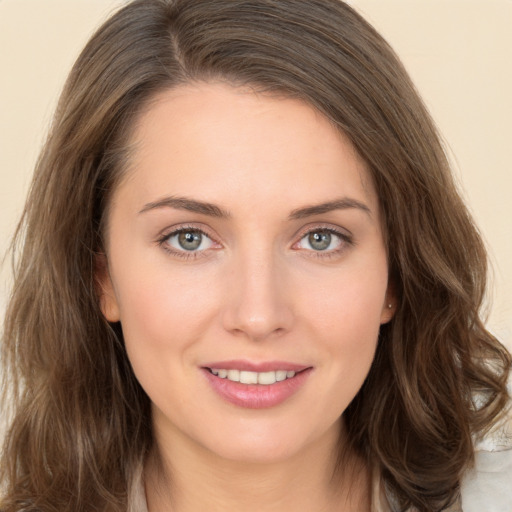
488, 486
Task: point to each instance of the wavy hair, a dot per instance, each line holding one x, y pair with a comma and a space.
80, 424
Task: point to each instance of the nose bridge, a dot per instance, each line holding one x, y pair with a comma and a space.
259, 303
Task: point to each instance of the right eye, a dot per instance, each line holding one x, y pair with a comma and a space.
188, 240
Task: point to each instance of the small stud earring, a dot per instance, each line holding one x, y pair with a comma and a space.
390, 306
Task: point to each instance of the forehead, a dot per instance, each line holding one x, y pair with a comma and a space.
225, 142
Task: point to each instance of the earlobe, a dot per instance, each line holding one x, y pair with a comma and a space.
388, 312
389, 307
105, 290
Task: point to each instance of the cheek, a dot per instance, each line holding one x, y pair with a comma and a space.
162, 311
164, 316
349, 304
346, 313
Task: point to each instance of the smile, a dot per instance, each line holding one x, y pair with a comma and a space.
248, 377
256, 385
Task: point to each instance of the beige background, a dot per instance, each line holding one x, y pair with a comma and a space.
459, 52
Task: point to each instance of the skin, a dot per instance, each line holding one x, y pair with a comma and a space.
256, 289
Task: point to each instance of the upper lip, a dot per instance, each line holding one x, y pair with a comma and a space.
261, 366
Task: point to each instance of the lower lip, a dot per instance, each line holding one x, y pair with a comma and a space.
257, 396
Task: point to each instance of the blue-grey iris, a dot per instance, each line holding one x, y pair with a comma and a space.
320, 240
190, 240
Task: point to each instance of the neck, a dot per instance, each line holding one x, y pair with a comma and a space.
195, 479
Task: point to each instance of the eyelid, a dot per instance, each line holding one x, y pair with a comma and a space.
344, 234
171, 231
311, 228
187, 226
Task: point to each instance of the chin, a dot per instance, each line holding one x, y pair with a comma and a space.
268, 444
274, 451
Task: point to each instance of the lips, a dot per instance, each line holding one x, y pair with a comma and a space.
256, 385
249, 366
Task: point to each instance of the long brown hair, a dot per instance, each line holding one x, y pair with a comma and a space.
81, 424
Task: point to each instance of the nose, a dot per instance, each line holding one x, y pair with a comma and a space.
259, 302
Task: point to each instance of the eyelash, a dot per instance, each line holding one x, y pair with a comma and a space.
346, 240
186, 255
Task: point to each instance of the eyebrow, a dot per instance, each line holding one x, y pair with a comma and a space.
343, 203
191, 205
212, 210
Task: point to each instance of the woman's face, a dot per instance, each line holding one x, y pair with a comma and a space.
247, 266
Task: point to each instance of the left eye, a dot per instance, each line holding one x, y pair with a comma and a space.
321, 240
189, 240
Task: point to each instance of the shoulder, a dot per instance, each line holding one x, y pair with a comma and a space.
487, 486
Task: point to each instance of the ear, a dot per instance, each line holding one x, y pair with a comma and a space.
105, 289
390, 305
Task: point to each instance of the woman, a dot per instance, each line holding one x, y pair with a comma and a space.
246, 277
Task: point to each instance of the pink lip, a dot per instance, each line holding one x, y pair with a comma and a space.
248, 366
257, 396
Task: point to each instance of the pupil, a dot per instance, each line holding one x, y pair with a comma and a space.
320, 240
189, 240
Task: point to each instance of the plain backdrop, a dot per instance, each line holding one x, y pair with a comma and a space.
459, 53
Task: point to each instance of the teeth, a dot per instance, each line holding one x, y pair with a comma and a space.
245, 377
267, 378
248, 377
281, 375
234, 375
